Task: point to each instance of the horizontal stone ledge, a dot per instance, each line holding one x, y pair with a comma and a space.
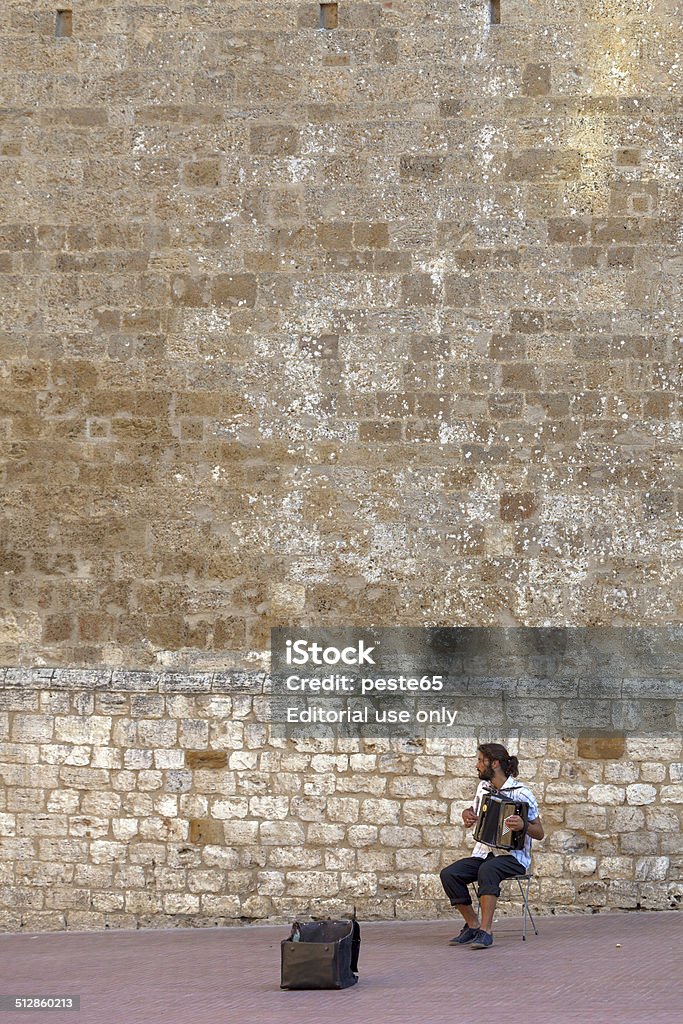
653, 689
544, 691
123, 680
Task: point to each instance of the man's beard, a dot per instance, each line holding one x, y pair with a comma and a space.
486, 774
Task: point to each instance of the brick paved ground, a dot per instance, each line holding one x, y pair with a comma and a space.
572, 972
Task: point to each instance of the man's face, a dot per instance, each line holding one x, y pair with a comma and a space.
485, 769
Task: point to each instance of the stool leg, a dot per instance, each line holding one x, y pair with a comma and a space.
473, 886
527, 908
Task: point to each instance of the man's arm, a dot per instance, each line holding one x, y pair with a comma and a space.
535, 829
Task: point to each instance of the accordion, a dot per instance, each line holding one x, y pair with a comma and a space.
496, 806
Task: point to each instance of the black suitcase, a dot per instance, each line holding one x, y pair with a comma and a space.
322, 954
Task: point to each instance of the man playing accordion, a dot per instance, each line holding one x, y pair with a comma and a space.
489, 865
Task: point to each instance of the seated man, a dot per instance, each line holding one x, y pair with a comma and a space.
487, 865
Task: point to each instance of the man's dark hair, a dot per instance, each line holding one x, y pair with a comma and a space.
509, 765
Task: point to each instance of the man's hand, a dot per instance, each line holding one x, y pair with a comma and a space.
515, 823
469, 817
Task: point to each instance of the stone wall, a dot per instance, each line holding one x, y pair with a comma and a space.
372, 324
159, 800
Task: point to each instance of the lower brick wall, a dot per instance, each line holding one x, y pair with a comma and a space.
139, 799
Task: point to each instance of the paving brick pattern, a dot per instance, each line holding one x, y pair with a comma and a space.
572, 972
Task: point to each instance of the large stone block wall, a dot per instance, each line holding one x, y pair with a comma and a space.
160, 800
374, 324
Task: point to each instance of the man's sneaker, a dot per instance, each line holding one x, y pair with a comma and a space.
482, 940
466, 935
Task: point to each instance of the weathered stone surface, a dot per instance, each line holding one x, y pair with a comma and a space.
607, 795
649, 869
239, 267
609, 747
640, 794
